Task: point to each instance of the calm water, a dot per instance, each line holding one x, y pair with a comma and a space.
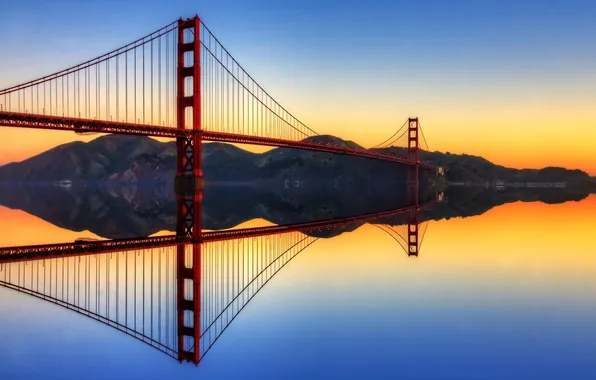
509, 293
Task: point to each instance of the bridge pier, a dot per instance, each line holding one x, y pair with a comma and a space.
188, 184
189, 175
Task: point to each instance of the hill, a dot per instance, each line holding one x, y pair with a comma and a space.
109, 157
133, 159
478, 170
137, 159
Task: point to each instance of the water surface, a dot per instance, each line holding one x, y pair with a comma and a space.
508, 293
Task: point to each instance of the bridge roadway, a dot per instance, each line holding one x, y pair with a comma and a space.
40, 252
24, 120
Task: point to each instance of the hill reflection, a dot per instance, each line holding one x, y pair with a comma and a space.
124, 212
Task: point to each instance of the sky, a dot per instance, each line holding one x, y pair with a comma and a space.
511, 81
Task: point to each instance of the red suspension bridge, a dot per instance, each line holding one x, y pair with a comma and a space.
178, 82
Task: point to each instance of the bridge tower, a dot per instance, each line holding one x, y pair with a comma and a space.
189, 175
413, 151
414, 158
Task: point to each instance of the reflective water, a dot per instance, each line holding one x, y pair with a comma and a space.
508, 291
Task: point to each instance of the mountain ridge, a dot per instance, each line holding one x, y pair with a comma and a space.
133, 159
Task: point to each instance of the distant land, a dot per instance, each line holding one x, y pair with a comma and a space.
134, 159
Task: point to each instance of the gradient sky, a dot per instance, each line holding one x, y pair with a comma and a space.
512, 81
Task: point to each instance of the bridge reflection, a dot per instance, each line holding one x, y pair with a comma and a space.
178, 299
171, 293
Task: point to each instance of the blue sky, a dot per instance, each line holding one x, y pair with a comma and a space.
346, 33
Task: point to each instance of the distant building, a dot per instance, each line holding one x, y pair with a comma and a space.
63, 183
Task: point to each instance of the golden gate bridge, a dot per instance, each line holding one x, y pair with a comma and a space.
178, 82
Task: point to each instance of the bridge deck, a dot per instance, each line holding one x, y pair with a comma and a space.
24, 120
